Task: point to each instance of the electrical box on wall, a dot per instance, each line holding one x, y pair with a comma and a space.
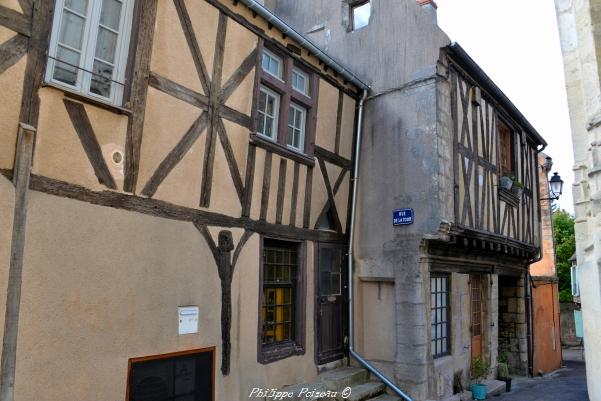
188, 319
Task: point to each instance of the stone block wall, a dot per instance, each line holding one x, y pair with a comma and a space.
513, 340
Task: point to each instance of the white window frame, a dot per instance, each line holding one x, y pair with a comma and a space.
276, 113
88, 50
302, 128
277, 58
305, 89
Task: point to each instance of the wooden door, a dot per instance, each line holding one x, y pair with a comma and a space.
330, 319
476, 312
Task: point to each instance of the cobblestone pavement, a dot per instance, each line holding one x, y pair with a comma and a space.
566, 384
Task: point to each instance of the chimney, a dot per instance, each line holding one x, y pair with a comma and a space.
430, 6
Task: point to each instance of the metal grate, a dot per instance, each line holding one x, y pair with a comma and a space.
440, 309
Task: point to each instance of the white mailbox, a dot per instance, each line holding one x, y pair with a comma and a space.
188, 319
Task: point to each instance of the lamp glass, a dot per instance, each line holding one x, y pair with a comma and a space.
556, 184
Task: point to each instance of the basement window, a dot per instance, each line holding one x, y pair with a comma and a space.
360, 14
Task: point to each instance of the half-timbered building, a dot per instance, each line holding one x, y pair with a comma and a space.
441, 141
174, 200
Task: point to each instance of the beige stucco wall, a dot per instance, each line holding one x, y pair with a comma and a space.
102, 285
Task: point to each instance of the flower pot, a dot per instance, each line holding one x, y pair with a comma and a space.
506, 182
479, 391
518, 191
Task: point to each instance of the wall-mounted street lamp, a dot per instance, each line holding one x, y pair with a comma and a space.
555, 187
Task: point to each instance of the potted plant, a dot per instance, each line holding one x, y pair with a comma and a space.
517, 188
503, 375
506, 181
480, 370
503, 371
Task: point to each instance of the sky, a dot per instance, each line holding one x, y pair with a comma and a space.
516, 42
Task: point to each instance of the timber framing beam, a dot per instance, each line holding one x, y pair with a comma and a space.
168, 210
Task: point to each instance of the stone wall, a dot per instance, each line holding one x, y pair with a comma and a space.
513, 341
568, 326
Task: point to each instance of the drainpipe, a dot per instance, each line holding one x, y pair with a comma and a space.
366, 364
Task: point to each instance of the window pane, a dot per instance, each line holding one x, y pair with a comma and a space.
101, 80
80, 6
185, 369
106, 44
361, 15
110, 14
72, 27
63, 72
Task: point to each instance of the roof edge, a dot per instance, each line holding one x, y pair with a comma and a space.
490, 86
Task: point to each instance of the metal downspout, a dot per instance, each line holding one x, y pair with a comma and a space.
366, 364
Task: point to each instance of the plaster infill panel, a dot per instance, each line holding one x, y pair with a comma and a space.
347, 127
175, 61
325, 135
205, 20
166, 122
59, 152
239, 43
101, 286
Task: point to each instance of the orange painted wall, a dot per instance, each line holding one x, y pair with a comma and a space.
547, 343
545, 298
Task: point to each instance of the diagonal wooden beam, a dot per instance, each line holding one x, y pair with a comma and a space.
12, 51
202, 228
326, 179
247, 234
26, 6
234, 116
15, 21
218, 54
178, 91
176, 154
238, 76
206, 183
335, 189
231, 159
87, 137
201, 68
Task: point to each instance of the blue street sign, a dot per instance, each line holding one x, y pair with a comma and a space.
401, 217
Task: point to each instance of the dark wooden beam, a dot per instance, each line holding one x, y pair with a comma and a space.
266, 184
12, 51
231, 160
162, 209
176, 155
238, 76
178, 91
15, 21
235, 116
8, 360
139, 91
338, 122
206, 183
294, 194
331, 200
281, 194
36, 61
308, 189
85, 132
332, 157
248, 180
26, 6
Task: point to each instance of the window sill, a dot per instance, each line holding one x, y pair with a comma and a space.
278, 351
87, 99
509, 197
280, 150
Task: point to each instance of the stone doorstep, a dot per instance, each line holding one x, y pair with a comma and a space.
339, 379
495, 387
364, 392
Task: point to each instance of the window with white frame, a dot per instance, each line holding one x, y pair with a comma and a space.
360, 13
269, 106
297, 117
441, 314
272, 64
300, 81
89, 46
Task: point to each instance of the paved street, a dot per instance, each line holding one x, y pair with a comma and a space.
567, 384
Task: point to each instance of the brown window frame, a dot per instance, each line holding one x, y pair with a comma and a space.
267, 353
434, 321
507, 143
287, 96
132, 361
